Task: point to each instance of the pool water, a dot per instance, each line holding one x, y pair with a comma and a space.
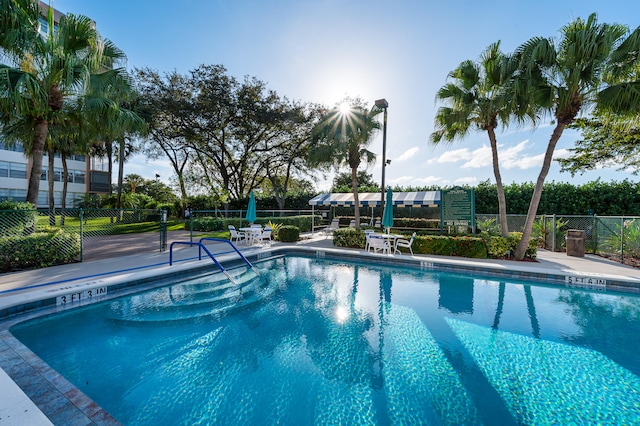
316, 341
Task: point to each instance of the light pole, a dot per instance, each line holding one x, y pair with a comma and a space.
383, 104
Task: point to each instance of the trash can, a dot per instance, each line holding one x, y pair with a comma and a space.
575, 242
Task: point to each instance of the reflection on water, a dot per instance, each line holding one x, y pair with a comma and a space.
344, 343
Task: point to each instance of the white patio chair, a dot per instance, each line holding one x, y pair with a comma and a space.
378, 224
367, 236
378, 243
352, 223
239, 237
266, 235
403, 242
335, 224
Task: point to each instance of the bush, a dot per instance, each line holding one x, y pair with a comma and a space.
17, 218
348, 237
451, 246
499, 247
289, 234
206, 224
39, 250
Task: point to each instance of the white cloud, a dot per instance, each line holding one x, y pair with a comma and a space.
408, 154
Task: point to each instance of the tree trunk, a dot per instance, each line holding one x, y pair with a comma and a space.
50, 174
120, 177
65, 177
502, 204
537, 191
356, 200
39, 138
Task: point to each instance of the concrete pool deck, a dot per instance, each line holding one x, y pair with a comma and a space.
17, 408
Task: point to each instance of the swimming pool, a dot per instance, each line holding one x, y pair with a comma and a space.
332, 342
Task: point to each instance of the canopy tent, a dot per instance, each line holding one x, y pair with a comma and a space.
372, 199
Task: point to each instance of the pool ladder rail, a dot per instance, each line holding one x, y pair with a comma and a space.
201, 247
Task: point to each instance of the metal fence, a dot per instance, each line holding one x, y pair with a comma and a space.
211, 220
86, 233
103, 233
615, 237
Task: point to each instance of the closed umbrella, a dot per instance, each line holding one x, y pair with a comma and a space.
251, 209
387, 217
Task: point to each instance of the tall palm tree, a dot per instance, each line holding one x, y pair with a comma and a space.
44, 73
476, 100
562, 80
342, 137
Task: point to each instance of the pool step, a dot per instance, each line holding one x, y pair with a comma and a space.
162, 305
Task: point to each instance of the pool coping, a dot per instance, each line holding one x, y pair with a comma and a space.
61, 402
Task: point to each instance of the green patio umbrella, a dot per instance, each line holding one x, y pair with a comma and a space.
387, 217
251, 209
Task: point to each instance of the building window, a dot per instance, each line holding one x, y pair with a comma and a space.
4, 169
17, 170
4, 194
43, 175
44, 26
18, 195
80, 158
57, 175
78, 176
43, 198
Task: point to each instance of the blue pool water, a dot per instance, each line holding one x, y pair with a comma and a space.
328, 342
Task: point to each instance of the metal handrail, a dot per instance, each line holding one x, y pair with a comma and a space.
232, 245
201, 246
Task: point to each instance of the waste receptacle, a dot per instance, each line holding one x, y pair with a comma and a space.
575, 242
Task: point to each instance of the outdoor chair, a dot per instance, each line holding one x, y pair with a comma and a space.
367, 236
335, 224
403, 242
266, 235
352, 223
378, 224
378, 243
239, 237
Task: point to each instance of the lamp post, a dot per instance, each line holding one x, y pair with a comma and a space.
383, 104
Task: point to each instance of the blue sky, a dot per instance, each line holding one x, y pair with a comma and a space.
323, 50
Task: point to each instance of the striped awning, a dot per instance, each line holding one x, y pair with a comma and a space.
372, 199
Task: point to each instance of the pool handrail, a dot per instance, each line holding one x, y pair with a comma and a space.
221, 240
201, 246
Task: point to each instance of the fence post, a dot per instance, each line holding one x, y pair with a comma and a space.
622, 240
553, 233
81, 231
163, 230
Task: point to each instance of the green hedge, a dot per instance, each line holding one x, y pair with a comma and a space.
348, 237
289, 234
16, 218
210, 223
463, 246
39, 250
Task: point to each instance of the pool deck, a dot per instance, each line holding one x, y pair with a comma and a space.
18, 409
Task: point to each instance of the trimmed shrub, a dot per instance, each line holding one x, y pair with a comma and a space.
289, 234
17, 218
39, 250
349, 237
450, 246
206, 224
499, 247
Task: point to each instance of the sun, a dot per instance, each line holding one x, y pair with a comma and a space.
344, 108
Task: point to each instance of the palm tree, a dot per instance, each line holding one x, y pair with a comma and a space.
342, 137
476, 100
562, 80
45, 72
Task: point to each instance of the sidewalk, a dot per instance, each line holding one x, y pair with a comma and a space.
550, 262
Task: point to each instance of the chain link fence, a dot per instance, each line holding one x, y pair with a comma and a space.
616, 237
38, 238
219, 220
